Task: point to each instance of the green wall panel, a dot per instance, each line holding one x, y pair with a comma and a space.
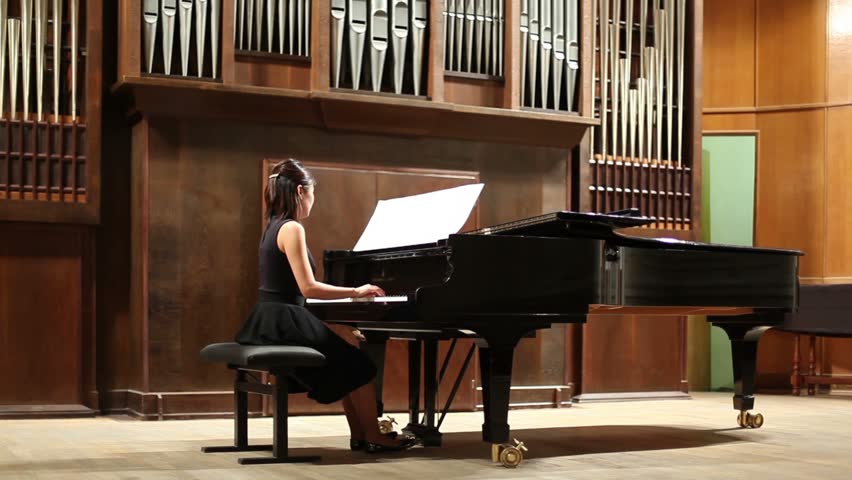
727, 217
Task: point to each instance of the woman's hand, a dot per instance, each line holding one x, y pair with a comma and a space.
368, 291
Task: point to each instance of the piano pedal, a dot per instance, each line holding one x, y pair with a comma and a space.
386, 426
747, 420
510, 456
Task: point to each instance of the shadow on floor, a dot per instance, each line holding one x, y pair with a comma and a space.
542, 443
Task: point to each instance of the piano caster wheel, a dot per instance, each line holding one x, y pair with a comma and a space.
745, 419
386, 426
510, 456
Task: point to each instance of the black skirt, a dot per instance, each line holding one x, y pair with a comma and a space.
276, 323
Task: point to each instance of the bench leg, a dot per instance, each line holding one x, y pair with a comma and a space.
279, 430
240, 423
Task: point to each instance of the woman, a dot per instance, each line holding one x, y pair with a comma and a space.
279, 317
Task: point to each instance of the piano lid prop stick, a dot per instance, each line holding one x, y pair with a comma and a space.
545, 49
559, 60
13, 28
535, 38
270, 24
489, 28
26, 41
572, 51
419, 17
200, 33
357, 30
169, 9
214, 35
41, 31
525, 34
480, 32
399, 37
184, 15
378, 41
338, 19
449, 32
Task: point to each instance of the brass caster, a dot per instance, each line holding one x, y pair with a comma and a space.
510, 456
755, 421
747, 420
386, 426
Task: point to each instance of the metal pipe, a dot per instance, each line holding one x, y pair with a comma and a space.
419, 19
399, 40
185, 16
13, 28
378, 41
41, 32
200, 33
338, 19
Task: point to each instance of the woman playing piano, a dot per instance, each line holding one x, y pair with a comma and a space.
279, 316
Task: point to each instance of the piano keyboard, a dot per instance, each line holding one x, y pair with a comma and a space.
388, 299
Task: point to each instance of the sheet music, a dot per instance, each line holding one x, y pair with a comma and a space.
417, 219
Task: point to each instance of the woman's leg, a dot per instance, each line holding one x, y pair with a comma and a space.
364, 402
355, 428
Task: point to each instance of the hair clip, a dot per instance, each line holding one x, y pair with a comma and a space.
274, 175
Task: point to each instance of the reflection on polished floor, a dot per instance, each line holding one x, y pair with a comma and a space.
697, 438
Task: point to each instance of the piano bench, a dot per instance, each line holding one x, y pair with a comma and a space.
276, 360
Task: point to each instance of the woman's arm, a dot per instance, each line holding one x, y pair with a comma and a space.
291, 241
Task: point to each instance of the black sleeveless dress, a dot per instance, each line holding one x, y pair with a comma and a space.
280, 318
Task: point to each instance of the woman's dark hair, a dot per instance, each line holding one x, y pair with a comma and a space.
281, 194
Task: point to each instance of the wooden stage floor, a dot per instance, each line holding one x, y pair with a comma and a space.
683, 439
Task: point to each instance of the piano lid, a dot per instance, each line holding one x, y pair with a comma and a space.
560, 224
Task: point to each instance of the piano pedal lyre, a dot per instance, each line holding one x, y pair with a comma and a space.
510, 456
747, 420
386, 426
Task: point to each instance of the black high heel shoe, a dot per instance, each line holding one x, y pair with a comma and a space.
355, 444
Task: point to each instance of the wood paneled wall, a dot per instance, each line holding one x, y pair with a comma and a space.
47, 351
783, 67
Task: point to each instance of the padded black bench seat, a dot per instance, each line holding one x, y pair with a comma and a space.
278, 360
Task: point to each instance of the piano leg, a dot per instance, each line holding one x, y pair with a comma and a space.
744, 338
426, 431
430, 382
496, 350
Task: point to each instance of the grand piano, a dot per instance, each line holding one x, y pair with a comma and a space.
502, 283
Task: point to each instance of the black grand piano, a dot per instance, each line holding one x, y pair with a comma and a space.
502, 283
